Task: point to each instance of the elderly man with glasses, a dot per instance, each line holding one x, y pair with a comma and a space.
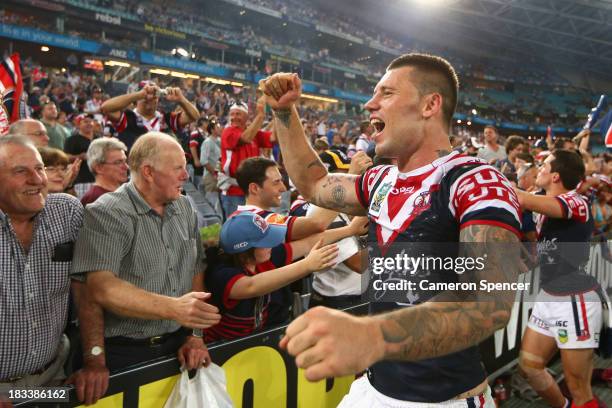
107, 160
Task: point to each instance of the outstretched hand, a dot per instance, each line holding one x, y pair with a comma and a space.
321, 257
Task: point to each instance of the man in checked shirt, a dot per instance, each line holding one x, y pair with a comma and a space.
36, 236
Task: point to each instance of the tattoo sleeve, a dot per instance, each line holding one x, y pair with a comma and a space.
455, 320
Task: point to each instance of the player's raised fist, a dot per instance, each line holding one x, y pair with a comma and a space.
282, 90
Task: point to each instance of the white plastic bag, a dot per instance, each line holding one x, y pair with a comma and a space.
206, 390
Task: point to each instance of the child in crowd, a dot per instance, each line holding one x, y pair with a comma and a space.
255, 262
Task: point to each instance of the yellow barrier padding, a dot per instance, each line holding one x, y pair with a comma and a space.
265, 366
155, 394
112, 401
311, 394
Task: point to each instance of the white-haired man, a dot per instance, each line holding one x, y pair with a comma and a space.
37, 234
107, 160
141, 251
238, 143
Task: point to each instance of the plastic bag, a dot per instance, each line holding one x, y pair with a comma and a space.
206, 390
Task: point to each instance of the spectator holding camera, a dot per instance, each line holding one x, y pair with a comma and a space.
131, 124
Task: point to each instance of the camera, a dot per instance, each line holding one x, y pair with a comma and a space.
162, 93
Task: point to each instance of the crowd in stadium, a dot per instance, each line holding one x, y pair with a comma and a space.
90, 145
553, 101
156, 216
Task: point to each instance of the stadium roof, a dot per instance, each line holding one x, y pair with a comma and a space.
576, 33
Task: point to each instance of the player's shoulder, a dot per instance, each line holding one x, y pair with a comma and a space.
463, 167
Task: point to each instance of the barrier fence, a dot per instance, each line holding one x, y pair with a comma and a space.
260, 375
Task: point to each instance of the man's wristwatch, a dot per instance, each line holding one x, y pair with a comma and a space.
96, 351
197, 333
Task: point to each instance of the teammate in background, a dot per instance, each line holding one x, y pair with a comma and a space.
131, 124
567, 315
427, 352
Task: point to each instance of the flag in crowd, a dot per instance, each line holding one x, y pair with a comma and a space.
11, 89
606, 129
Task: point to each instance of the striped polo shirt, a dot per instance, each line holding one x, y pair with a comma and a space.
121, 233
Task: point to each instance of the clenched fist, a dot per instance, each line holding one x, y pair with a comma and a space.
282, 90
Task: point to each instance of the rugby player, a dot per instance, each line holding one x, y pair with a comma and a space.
567, 313
419, 350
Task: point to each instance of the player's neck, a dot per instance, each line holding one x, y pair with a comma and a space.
556, 189
425, 155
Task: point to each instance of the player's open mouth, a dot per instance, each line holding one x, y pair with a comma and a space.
378, 124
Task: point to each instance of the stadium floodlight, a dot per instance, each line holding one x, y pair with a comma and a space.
113, 63
44, 48
430, 3
319, 98
182, 52
159, 71
217, 81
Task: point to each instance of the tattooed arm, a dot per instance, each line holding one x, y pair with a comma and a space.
331, 343
335, 192
456, 320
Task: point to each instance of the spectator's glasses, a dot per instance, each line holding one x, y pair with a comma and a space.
40, 133
56, 169
116, 163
